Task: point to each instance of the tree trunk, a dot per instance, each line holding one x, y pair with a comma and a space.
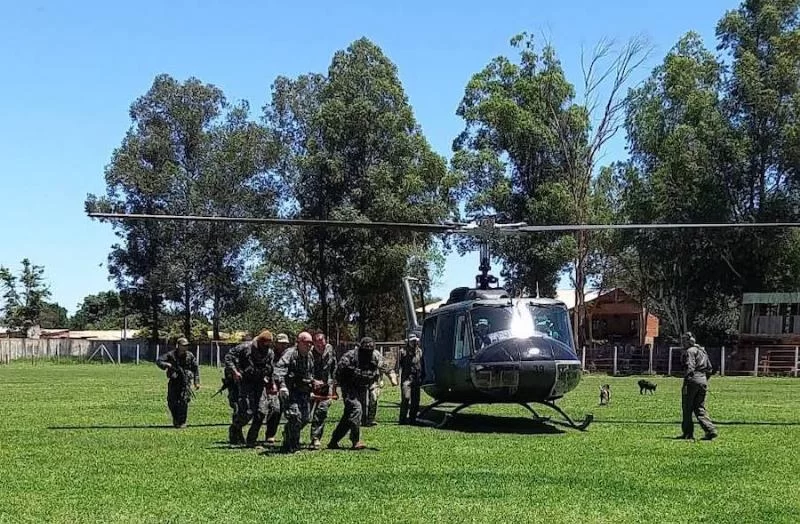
187, 307
154, 307
217, 314
323, 284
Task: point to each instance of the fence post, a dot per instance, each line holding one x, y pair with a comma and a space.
118, 360
218, 363
615, 359
722, 362
755, 364
197, 349
669, 363
583, 358
157, 350
137, 354
796, 360
650, 362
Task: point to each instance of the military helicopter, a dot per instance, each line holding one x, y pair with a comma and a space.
484, 346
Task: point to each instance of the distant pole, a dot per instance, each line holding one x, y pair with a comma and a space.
615, 359
796, 360
755, 363
722, 362
198, 354
137, 354
118, 360
669, 363
583, 358
217, 354
650, 364
157, 351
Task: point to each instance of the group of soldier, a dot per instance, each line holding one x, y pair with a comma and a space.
267, 380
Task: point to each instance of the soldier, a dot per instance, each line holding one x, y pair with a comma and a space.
183, 372
296, 380
276, 406
375, 389
251, 366
357, 369
324, 359
411, 368
697, 370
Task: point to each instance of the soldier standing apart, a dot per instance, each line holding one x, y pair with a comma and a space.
357, 370
412, 372
697, 370
183, 372
324, 374
371, 411
274, 402
251, 366
295, 389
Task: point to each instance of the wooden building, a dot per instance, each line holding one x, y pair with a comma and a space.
614, 317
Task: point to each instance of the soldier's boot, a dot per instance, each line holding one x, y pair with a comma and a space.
315, 444
252, 433
235, 435
359, 445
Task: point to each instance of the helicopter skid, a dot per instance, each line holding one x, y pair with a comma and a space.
568, 422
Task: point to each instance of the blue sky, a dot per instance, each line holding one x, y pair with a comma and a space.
71, 71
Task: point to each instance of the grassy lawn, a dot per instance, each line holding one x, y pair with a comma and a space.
81, 443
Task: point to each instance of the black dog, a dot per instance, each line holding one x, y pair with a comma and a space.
605, 394
646, 385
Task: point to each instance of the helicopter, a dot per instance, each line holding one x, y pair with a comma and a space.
483, 346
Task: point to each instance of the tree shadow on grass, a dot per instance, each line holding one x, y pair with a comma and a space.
144, 426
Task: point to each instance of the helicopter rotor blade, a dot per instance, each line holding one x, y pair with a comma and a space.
406, 226
609, 227
471, 228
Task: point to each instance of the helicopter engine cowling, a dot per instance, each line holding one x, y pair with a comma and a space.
525, 369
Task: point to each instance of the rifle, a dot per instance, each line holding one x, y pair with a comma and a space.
225, 385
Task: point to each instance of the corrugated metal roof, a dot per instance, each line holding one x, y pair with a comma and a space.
771, 298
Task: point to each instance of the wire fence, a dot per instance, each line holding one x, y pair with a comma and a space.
611, 359
133, 351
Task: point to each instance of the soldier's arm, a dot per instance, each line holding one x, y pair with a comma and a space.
195, 370
690, 362
163, 361
232, 359
281, 368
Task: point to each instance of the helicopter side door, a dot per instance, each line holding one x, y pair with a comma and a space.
429, 348
462, 355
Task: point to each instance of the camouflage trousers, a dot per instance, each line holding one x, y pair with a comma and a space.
251, 406
694, 403
350, 421
177, 402
409, 401
276, 409
320, 409
297, 412
371, 401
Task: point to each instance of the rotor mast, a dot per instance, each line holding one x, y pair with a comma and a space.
483, 279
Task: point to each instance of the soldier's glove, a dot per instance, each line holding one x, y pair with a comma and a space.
283, 393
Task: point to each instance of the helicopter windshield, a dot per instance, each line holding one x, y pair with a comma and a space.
492, 324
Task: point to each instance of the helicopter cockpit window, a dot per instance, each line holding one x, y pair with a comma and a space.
493, 324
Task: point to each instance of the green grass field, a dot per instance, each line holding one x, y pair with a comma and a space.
78, 444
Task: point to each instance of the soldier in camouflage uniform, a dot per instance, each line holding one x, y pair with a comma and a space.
411, 368
375, 389
276, 406
296, 381
356, 371
183, 373
324, 359
251, 366
697, 370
